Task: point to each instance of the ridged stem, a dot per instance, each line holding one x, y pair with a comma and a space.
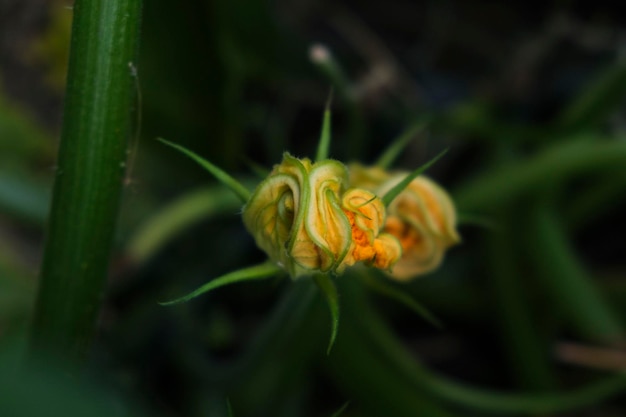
97, 123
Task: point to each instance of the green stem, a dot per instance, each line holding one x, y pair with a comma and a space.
96, 126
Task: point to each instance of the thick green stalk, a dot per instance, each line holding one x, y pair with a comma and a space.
96, 127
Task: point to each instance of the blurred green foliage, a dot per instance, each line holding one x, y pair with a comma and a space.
541, 159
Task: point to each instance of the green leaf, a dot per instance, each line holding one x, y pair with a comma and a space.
262, 271
384, 288
597, 101
324, 143
236, 187
396, 147
395, 191
328, 288
341, 410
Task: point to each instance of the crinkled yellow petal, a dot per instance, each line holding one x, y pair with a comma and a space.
296, 218
325, 222
422, 218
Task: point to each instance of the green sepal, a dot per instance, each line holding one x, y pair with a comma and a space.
388, 290
398, 188
324, 143
398, 144
265, 270
329, 289
236, 187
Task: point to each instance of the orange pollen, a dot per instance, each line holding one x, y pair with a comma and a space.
364, 250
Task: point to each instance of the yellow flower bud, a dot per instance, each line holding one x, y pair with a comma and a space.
422, 218
295, 216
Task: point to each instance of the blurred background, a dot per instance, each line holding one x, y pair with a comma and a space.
530, 101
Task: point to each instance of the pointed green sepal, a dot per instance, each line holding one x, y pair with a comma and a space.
396, 190
323, 146
328, 288
388, 290
236, 187
398, 145
341, 410
265, 270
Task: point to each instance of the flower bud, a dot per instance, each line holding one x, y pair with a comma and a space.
422, 218
295, 216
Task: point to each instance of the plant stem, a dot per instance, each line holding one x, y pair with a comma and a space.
96, 126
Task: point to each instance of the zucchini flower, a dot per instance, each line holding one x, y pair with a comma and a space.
422, 218
303, 218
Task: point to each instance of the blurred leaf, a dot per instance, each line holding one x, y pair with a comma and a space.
597, 101
500, 185
50, 392
409, 389
528, 353
566, 280
174, 218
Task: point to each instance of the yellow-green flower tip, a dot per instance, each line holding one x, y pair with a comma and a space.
422, 218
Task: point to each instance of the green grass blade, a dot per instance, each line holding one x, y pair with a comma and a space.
328, 288
384, 288
265, 270
341, 410
396, 147
395, 191
236, 187
323, 146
